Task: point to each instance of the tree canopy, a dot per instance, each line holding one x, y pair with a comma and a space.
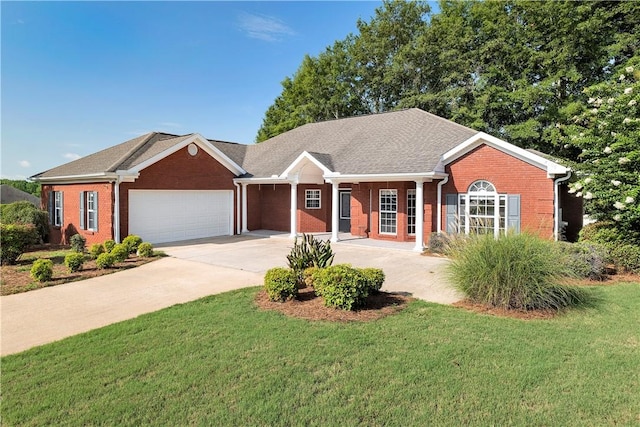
513, 69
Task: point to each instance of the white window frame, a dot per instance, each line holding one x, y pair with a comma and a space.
484, 194
388, 218
57, 208
313, 195
92, 218
411, 212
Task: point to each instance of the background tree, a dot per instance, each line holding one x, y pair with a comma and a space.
606, 128
26, 186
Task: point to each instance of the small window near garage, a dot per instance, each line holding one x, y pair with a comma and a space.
312, 199
89, 210
388, 211
411, 212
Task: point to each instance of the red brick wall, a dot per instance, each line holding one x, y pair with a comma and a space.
275, 202
178, 171
254, 207
511, 176
71, 212
314, 220
360, 199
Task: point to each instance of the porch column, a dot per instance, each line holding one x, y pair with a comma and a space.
294, 209
244, 208
419, 217
335, 211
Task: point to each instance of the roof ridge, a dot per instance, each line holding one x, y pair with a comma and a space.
129, 153
444, 119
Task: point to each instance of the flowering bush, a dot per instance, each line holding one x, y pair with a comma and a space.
607, 130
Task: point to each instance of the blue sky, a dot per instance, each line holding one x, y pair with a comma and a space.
78, 77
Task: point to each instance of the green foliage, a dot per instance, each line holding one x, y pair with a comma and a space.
308, 276
108, 245
602, 232
585, 260
280, 284
145, 250
95, 250
132, 242
74, 261
120, 252
25, 213
606, 130
375, 278
78, 243
520, 272
14, 240
26, 186
309, 252
627, 257
42, 270
105, 260
439, 243
342, 286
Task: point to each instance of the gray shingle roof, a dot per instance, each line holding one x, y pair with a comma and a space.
407, 141
9, 194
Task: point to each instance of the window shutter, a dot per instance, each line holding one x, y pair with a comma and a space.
452, 211
82, 216
51, 204
513, 209
95, 208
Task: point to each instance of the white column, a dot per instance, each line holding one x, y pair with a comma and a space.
419, 217
244, 208
294, 210
335, 211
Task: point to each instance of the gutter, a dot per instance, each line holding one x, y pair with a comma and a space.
556, 204
439, 204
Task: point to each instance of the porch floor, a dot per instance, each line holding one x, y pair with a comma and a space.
343, 239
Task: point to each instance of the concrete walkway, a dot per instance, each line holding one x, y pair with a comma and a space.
193, 270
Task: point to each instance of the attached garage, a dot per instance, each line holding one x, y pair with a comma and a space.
160, 216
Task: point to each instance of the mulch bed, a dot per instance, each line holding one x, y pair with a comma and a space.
310, 307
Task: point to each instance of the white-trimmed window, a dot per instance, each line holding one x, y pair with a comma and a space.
312, 199
482, 209
56, 208
388, 211
411, 212
89, 210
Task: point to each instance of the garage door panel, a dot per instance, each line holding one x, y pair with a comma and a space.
170, 215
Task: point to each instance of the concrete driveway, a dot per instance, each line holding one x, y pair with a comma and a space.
193, 270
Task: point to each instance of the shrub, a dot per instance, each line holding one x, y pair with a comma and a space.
95, 250
627, 257
308, 276
14, 240
375, 278
439, 243
132, 242
280, 284
74, 261
42, 270
108, 245
606, 233
105, 260
145, 250
309, 252
120, 252
78, 243
513, 272
342, 286
585, 260
25, 213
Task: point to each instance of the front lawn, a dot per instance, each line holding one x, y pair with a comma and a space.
222, 361
17, 278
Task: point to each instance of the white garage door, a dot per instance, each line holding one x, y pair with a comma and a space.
171, 215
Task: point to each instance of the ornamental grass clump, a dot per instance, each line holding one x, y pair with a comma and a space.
520, 272
309, 252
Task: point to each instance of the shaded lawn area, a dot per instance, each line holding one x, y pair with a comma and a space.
223, 361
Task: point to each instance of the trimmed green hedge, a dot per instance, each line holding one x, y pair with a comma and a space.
281, 284
42, 270
74, 261
14, 240
342, 286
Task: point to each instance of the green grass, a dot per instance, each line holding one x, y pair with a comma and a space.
221, 361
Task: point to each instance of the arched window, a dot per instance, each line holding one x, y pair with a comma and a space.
482, 209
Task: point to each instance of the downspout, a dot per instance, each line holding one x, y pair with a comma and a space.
556, 203
238, 214
116, 208
439, 204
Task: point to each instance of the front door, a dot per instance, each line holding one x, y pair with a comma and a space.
345, 212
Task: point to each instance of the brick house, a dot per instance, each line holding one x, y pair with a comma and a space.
366, 175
